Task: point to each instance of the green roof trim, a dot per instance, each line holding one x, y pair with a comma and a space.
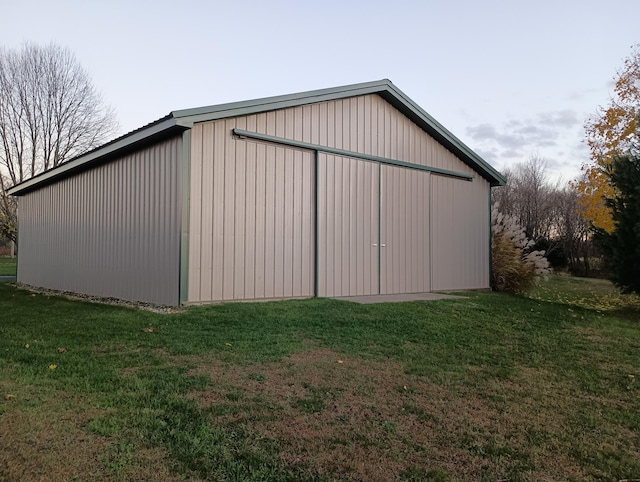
179, 120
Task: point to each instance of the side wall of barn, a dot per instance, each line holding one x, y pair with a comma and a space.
110, 231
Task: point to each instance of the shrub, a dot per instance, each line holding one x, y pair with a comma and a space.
515, 263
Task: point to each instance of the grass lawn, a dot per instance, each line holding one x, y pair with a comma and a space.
491, 387
7, 266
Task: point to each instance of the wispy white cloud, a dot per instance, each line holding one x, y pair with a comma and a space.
516, 138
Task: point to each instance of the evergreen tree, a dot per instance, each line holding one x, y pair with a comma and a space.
622, 245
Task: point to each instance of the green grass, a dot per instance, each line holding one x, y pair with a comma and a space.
7, 266
595, 294
505, 387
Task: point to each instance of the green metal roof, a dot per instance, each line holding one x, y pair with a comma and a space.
180, 120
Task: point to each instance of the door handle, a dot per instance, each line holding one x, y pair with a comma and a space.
375, 245
383, 245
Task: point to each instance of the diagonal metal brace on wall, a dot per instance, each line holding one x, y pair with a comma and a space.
356, 155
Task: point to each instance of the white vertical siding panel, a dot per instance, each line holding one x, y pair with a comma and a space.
308, 225
404, 230
240, 202
359, 228
336, 229
297, 196
287, 215
208, 192
307, 123
323, 228
279, 221
229, 242
260, 223
270, 222
319, 117
213, 237
251, 206
366, 130
346, 226
460, 234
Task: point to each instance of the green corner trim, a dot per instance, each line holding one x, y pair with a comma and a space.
185, 166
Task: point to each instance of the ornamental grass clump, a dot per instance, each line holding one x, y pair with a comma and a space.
515, 264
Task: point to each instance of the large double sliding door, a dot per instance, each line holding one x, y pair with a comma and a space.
373, 228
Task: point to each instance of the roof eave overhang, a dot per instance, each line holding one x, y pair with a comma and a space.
164, 128
180, 120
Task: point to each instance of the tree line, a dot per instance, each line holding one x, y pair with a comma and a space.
549, 214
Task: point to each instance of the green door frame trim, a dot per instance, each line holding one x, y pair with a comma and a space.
316, 274
341, 152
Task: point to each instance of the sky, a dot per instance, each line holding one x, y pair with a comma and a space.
512, 79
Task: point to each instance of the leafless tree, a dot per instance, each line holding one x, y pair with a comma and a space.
573, 230
8, 222
49, 112
529, 196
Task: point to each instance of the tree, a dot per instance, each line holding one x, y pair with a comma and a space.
529, 197
609, 133
8, 221
49, 112
622, 245
572, 230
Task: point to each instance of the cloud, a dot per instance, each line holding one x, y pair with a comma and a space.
516, 139
484, 132
563, 118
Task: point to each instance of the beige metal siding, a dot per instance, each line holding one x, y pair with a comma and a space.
251, 218
373, 228
348, 201
404, 231
460, 233
366, 124
111, 231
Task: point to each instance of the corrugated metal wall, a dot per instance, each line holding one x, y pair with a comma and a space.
226, 173
460, 234
404, 231
111, 231
251, 229
348, 220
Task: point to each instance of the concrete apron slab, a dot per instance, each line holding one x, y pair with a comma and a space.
397, 298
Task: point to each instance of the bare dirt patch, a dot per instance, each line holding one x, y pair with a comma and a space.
364, 420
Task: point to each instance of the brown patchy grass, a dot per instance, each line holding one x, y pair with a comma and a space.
49, 442
34, 445
365, 420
